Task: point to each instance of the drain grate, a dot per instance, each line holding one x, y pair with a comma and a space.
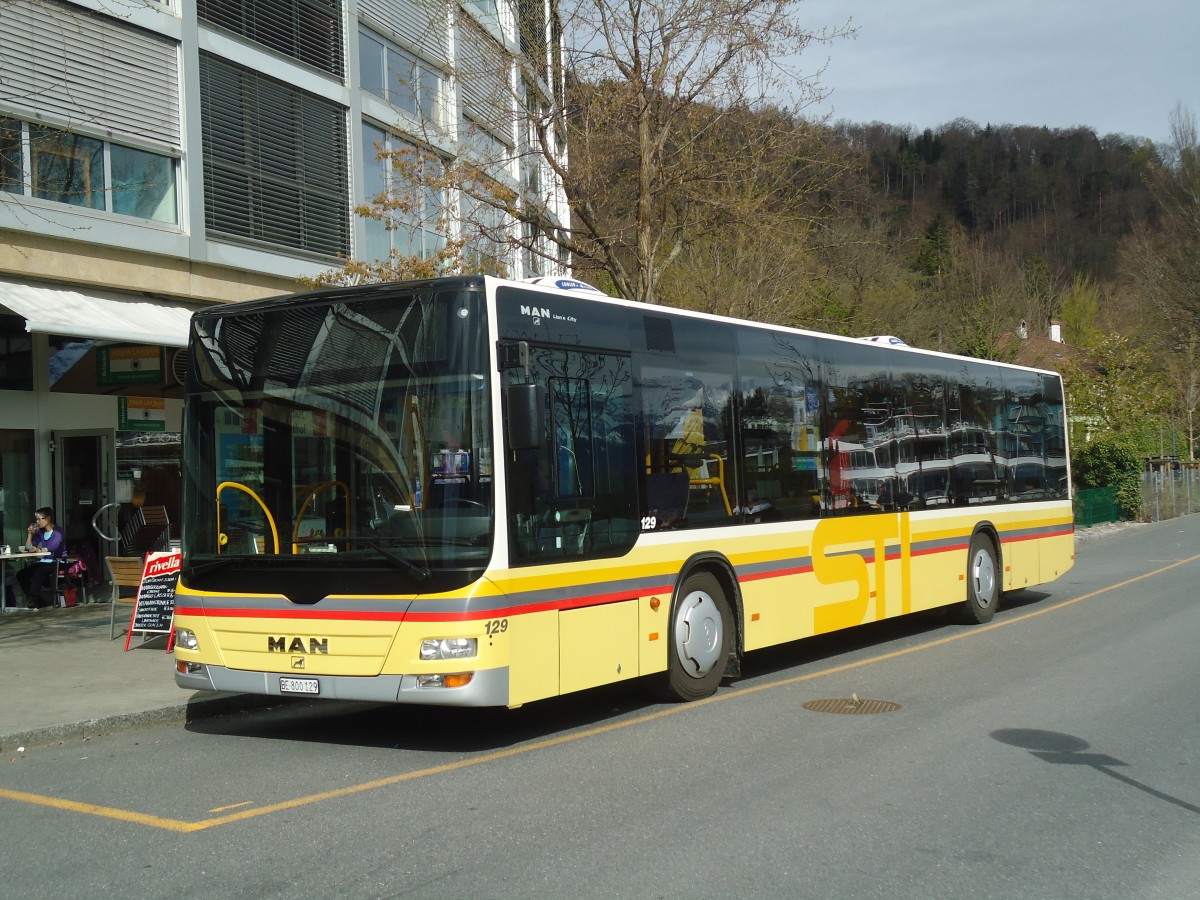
851, 706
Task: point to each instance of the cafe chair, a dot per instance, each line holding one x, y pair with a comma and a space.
125, 576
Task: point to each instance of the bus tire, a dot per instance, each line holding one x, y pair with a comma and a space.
983, 584
701, 634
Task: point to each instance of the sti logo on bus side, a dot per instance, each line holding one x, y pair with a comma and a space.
281, 645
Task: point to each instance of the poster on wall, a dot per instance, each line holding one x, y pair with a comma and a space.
129, 364
141, 414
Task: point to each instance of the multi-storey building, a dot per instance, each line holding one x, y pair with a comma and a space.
159, 155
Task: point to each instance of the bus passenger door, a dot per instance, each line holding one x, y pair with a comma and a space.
572, 483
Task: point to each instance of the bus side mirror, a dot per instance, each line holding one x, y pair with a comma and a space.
526, 404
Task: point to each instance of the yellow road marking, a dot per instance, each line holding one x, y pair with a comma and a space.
180, 825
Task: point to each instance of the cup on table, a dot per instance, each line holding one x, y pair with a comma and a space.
5, 550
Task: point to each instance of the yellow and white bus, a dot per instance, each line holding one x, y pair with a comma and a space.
477, 492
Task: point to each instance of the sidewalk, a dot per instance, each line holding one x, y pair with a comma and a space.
62, 677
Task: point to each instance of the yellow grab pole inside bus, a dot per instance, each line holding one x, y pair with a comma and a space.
222, 538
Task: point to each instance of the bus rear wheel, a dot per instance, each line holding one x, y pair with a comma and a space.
701, 637
983, 584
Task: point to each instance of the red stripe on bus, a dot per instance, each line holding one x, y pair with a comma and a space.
775, 573
1062, 532
414, 614
932, 550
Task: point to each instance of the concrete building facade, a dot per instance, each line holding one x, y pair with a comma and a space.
157, 156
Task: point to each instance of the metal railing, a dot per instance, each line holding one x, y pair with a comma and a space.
1168, 492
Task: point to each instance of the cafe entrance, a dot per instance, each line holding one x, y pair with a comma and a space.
84, 483
110, 477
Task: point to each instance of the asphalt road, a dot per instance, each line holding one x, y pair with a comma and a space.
1052, 754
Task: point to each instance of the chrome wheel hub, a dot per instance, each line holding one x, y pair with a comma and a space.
699, 634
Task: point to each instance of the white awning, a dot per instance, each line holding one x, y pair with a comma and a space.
97, 315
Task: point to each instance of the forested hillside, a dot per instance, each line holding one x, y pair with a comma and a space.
1066, 197
1007, 221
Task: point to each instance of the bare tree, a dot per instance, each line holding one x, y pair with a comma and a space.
654, 91
654, 116
1182, 374
1165, 261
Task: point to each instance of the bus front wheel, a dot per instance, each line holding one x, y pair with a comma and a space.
983, 584
701, 637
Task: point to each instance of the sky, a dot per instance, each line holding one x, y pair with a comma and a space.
1115, 66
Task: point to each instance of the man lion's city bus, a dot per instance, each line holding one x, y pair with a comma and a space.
476, 492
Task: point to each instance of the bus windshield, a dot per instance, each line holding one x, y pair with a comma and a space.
339, 434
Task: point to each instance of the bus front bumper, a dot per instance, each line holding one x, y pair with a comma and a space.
488, 687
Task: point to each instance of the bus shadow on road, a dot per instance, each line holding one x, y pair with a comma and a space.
873, 636
429, 728
459, 730
1022, 599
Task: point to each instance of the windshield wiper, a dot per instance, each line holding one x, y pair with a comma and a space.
420, 573
199, 571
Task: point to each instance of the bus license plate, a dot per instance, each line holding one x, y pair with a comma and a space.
299, 686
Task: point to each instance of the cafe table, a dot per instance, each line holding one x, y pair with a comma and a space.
5, 559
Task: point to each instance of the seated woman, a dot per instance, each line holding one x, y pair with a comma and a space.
43, 535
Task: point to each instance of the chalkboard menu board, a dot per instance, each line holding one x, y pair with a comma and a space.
155, 606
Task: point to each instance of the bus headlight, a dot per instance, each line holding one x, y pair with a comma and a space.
449, 648
459, 679
186, 638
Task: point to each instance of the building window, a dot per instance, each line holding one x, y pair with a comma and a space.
531, 178
12, 169
143, 184
531, 21
484, 147
531, 147
16, 355
67, 168
414, 223
85, 171
275, 166
483, 7
307, 30
488, 13
531, 250
403, 80
16, 474
485, 233
485, 227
